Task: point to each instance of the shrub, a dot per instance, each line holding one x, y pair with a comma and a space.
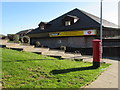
63, 48
2, 36
37, 44
77, 51
16, 38
20, 39
10, 37
25, 39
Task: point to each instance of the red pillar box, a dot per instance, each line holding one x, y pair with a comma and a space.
96, 53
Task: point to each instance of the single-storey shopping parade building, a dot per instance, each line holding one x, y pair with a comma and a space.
75, 29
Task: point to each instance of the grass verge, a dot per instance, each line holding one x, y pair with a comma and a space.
29, 70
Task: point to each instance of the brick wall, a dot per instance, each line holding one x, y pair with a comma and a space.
75, 42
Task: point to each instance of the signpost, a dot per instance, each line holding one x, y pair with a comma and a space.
101, 29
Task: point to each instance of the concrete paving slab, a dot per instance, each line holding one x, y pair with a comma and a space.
20, 47
71, 56
37, 50
11, 45
109, 78
53, 53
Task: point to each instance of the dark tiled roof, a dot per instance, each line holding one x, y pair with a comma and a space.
105, 22
24, 31
73, 16
85, 21
44, 22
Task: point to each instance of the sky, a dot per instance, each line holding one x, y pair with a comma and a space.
21, 15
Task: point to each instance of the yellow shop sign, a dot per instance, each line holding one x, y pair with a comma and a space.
72, 33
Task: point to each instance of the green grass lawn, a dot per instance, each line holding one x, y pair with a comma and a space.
29, 70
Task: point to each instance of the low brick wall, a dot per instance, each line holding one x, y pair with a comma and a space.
107, 51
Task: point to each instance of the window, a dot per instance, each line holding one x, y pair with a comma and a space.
69, 20
42, 27
67, 23
75, 20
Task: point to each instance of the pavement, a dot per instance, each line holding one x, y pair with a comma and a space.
109, 78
